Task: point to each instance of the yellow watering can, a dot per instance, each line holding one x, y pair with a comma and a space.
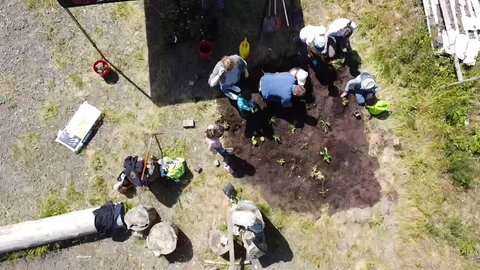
244, 49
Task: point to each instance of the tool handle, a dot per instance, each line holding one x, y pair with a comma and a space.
286, 16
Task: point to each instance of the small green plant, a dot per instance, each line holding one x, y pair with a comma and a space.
272, 120
226, 125
304, 146
49, 113
326, 157
281, 162
293, 128
277, 139
316, 174
254, 141
326, 126
344, 101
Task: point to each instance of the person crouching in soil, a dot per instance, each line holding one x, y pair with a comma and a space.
213, 135
365, 88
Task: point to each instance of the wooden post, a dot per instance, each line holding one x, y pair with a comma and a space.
44, 231
231, 249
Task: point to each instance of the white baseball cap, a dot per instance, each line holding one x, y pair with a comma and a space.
302, 76
368, 84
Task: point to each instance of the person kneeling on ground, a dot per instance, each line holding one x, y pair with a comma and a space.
364, 87
227, 73
213, 135
281, 87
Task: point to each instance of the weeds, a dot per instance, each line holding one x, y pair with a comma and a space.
52, 205
72, 195
39, 4
177, 149
49, 113
98, 191
121, 10
77, 79
25, 150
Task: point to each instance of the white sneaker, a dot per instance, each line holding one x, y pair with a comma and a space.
231, 96
226, 167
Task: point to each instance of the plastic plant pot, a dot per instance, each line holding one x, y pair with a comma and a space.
101, 67
205, 49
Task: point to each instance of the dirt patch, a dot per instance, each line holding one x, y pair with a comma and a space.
349, 179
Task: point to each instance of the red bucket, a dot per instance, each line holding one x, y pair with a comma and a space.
205, 48
101, 67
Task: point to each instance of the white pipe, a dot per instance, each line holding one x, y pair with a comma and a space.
44, 231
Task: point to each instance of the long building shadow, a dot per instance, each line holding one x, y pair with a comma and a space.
177, 72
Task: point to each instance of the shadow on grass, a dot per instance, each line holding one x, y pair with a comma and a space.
167, 191
278, 247
184, 250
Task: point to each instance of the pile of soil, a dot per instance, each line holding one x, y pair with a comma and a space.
349, 179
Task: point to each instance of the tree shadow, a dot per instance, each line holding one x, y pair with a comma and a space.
167, 191
184, 250
278, 247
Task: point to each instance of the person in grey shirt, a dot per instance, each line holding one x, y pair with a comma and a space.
227, 73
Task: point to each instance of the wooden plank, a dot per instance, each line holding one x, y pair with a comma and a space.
453, 9
428, 13
231, 249
476, 7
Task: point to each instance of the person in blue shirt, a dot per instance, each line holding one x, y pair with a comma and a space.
280, 87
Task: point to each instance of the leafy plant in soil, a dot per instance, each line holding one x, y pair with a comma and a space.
293, 128
344, 101
326, 126
272, 120
277, 139
281, 162
319, 176
304, 146
254, 141
326, 157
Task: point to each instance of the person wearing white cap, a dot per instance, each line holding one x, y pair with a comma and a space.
313, 38
300, 75
341, 29
364, 87
282, 86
